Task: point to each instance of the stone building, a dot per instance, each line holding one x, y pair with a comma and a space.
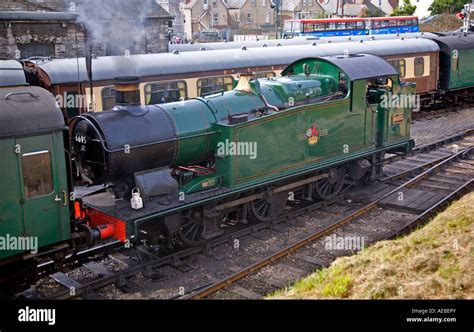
61, 29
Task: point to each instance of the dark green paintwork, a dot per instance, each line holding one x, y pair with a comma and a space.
462, 74
347, 126
41, 216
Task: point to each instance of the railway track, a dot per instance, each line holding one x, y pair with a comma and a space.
388, 200
149, 264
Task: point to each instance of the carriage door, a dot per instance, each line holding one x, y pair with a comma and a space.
43, 203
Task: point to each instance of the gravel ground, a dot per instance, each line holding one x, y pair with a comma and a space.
430, 130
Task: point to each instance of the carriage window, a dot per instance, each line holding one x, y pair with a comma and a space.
265, 74
419, 66
158, 93
37, 174
393, 23
319, 27
308, 27
297, 26
341, 26
331, 26
214, 84
399, 66
108, 98
384, 24
377, 24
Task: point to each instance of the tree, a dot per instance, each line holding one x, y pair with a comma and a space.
366, 12
406, 10
447, 6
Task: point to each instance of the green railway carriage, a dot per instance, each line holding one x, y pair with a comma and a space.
325, 121
34, 204
456, 61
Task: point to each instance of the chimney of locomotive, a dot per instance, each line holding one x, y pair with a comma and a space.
127, 90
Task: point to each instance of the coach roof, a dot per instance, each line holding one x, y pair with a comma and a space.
63, 71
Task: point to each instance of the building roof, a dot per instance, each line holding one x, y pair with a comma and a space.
36, 16
28, 109
329, 6
234, 4
146, 65
353, 9
94, 9
289, 5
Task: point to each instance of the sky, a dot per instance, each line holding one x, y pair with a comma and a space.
421, 7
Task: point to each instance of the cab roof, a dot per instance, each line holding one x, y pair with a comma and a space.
28, 110
355, 66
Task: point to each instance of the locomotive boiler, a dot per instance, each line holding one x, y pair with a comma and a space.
117, 146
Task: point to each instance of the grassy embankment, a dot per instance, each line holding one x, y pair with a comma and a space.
444, 22
434, 262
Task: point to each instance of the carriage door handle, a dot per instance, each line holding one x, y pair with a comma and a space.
64, 197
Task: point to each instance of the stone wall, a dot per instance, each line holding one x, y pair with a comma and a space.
66, 39
61, 36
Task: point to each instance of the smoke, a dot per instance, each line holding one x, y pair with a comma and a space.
118, 25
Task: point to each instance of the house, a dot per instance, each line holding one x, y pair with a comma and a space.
330, 7
294, 9
357, 8
387, 6
204, 15
244, 16
176, 9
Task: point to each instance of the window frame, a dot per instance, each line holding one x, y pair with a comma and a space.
265, 74
422, 64
110, 96
224, 84
400, 63
24, 172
